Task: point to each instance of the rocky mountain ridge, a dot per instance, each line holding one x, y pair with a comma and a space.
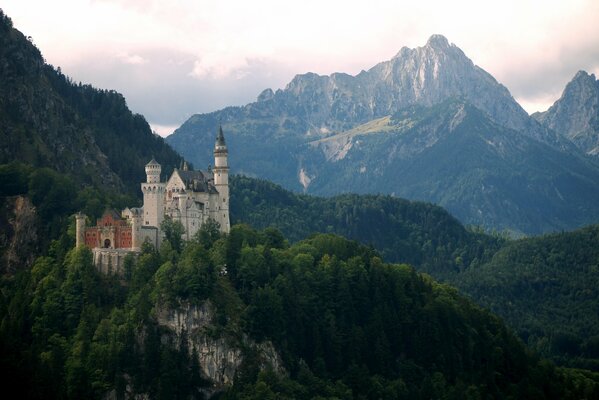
414, 126
575, 114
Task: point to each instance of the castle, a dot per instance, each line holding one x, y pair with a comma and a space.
190, 197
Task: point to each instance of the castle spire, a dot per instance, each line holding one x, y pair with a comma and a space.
220, 138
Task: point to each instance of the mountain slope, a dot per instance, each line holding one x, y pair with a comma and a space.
421, 234
46, 120
576, 113
453, 155
546, 288
427, 125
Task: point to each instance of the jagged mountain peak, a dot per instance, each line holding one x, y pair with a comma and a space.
583, 76
582, 81
378, 130
435, 42
575, 114
438, 41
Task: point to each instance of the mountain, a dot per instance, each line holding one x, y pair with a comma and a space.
426, 125
46, 120
576, 113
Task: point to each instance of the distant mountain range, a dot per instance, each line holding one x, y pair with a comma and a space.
426, 125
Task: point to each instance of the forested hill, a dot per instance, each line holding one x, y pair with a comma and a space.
547, 289
418, 233
46, 120
324, 318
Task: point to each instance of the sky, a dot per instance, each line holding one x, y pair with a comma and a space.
172, 59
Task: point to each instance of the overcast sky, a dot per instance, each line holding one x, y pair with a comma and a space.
174, 58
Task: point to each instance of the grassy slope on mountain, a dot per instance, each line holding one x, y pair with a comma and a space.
46, 120
69, 332
453, 155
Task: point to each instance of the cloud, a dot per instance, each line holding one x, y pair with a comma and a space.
173, 58
133, 59
219, 67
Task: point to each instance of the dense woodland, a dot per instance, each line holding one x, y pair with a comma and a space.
544, 287
346, 325
417, 233
547, 288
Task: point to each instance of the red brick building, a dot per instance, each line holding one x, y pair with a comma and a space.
111, 232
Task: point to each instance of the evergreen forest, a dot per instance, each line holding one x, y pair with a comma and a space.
345, 325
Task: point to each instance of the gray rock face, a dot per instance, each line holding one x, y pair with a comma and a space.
219, 357
575, 114
425, 76
19, 226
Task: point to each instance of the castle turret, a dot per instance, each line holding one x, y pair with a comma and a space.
79, 229
153, 190
136, 224
221, 181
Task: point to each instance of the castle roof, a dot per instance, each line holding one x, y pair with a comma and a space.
197, 181
220, 138
152, 162
112, 213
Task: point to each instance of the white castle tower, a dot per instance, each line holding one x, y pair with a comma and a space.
79, 229
154, 192
221, 181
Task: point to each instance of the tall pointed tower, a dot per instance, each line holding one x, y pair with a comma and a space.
153, 191
221, 181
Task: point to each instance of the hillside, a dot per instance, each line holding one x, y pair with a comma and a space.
427, 125
546, 288
417, 233
278, 324
64, 147
47, 120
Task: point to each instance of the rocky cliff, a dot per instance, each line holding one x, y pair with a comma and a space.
19, 242
220, 356
575, 114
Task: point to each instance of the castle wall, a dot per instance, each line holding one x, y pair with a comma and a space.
111, 261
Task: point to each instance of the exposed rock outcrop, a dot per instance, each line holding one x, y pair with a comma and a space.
575, 114
18, 234
220, 356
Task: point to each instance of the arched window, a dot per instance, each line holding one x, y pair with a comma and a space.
107, 243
